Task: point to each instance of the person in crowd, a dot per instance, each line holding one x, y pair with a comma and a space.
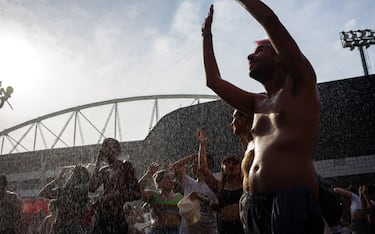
197, 189
145, 226
49, 219
357, 213
367, 195
131, 216
71, 199
88, 219
285, 128
10, 209
241, 127
120, 186
163, 201
228, 190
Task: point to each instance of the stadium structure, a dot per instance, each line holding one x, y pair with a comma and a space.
32, 153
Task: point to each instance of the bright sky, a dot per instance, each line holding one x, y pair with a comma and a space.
61, 54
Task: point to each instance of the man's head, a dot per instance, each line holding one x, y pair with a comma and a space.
241, 123
262, 60
111, 148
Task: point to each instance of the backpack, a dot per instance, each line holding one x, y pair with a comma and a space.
330, 203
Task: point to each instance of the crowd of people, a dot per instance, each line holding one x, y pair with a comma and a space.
273, 188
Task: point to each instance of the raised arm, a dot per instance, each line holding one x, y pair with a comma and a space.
97, 176
297, 65
214, 184
179, 166
234, 96
147, 194
343, 192
50, 191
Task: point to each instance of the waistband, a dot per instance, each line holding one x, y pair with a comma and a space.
259, 196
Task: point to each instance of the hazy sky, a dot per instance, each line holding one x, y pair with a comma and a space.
59, 54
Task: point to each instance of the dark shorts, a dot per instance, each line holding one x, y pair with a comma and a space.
230, 227
360, 227
110, 225
293, 211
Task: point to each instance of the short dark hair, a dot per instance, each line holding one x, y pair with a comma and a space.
83, 172
230, 158
111, 142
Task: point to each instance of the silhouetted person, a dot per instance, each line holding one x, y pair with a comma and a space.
71, 200
228, 189
357, 213
198, 189
120, 186
10, 209
367, 194
241, 127
284, 130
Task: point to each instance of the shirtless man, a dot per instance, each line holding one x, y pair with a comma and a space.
241, 125
284, 129
120, 186
10, 209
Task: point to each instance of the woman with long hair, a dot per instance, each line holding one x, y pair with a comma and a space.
228, 190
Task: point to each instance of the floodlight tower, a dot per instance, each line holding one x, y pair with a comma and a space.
360, 39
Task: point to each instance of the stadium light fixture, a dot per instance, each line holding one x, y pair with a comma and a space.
361, 39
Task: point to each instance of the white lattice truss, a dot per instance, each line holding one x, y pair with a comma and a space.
37, 134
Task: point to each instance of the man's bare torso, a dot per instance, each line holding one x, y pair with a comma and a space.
284, 130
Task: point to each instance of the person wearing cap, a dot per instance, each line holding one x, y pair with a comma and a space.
10, 209
120, 186
285, 128
228, 189
163, 201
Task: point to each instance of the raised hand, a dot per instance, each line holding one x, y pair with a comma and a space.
153, 167
206, 26
201, 137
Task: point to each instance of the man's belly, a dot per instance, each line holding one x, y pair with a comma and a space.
281, 172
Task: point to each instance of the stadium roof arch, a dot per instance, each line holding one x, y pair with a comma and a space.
90, 123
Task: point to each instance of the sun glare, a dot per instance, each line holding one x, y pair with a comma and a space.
20, 64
